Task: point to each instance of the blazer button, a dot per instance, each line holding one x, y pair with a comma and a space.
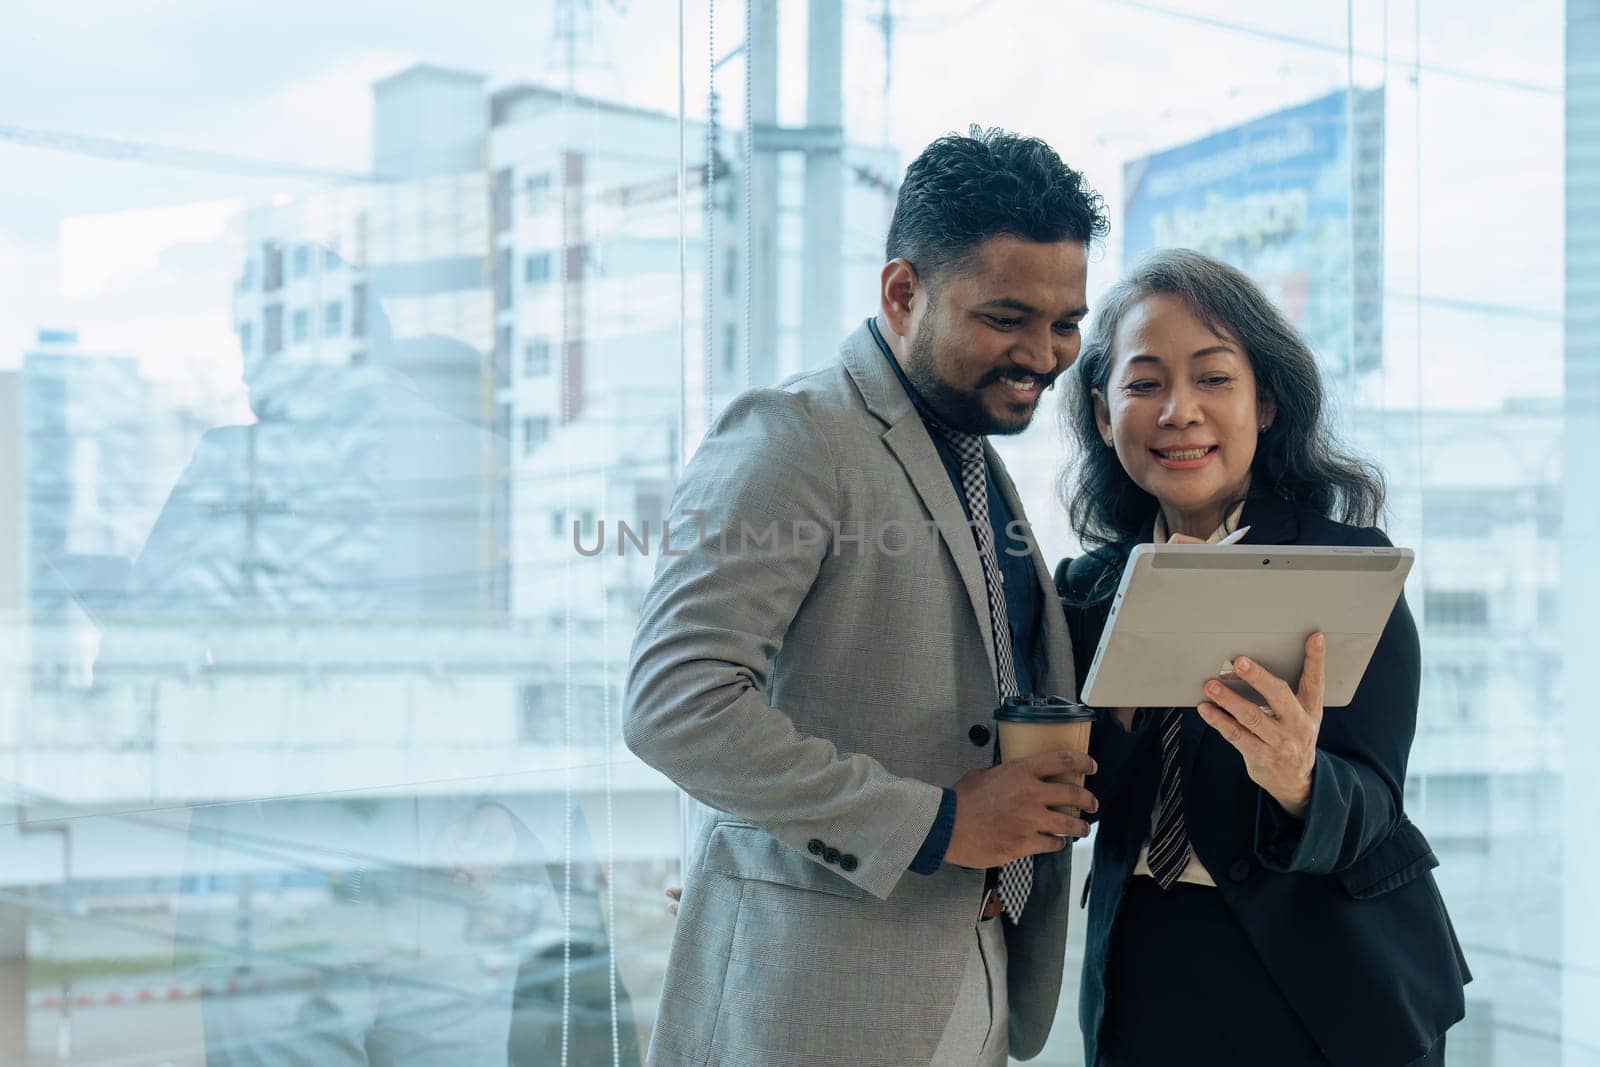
1239, 870
815, 846
848, 863
831, 855
979, 735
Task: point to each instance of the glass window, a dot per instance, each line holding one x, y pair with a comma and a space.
271, 329
536, 358
502, 280
535, 432
1456, 609
272, 274
315, 696
500, 193
358, 310
535, 192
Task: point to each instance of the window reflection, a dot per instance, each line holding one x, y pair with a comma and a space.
309, 709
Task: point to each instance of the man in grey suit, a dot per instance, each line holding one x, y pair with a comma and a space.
849, 590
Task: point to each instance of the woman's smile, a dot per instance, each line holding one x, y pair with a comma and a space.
1184, 459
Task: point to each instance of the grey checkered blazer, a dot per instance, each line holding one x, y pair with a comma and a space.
814, 692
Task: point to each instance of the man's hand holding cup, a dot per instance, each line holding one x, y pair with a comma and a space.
1031, 802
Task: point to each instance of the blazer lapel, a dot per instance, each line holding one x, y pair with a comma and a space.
907, 437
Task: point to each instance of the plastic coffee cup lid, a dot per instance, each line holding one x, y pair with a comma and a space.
1042, 709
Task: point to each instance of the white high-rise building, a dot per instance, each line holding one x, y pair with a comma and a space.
518, 256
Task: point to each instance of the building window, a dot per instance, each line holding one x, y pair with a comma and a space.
1549, 607
730, 347
548, 714
541, 719
648, 507
272, 329
302, 260
1456, 609
246, 338
536, 269
301, 330
502, 279
1465, 514
535, 191
535, 432
1453, 693
358, 309
330, 255
247, 279
271, 267
500, 200
536, 358
502, 357
561, 523
332, 319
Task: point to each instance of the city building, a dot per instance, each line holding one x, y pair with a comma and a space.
534, 234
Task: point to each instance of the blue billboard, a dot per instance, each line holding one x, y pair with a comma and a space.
1293, 200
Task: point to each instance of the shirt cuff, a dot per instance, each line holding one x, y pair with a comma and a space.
931, 855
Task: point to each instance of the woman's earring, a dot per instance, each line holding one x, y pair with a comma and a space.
1263, 427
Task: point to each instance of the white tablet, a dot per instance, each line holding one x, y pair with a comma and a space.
1183, 612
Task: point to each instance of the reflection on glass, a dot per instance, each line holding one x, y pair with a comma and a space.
318, 358
319, 756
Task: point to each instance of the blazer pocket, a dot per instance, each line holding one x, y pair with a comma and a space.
1403, 856
741, 850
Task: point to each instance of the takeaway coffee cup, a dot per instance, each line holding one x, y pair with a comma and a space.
1030, 725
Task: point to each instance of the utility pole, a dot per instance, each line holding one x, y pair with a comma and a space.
885, 21
824, 155
761, 52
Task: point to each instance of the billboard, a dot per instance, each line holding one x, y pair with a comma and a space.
1294, 199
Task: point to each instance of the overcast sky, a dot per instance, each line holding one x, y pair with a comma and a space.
1103, 80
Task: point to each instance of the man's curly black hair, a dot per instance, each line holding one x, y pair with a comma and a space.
963, 190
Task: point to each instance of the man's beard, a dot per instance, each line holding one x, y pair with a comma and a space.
959, 409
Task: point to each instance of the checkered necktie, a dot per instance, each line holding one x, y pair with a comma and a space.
1169, 842
1016, 877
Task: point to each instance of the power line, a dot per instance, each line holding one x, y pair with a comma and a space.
184, 158
1415, 63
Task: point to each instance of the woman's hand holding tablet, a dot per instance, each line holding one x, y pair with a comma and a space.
1278, 740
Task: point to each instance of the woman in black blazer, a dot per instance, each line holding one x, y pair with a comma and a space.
1257, 895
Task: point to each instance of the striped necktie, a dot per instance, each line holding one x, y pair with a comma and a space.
1016, 877
1169, 841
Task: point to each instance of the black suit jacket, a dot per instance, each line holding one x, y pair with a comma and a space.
1341, 908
